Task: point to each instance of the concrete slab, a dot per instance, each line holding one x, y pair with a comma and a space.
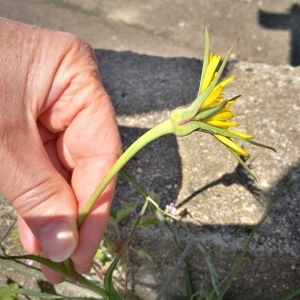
219, 202
268, 30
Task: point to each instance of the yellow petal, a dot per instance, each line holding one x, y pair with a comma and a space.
216, 92
210, 71
225, 109
226, 81
229, 143
241, 134
229, 103
218, 123
223, 116
213, 96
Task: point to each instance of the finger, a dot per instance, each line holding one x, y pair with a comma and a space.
39, 193
28, 240
41, 196
92, 144
92, 229
80, 112
31, 245
51, 275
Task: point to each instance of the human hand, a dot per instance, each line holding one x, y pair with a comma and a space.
58, 139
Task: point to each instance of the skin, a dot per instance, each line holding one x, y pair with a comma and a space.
58, 137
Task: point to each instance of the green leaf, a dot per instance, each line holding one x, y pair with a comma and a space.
238, 158
217, 130
102, 257
77, 288
111, 246
108, 279
195, 106
209, 111
57, 267
225, 284
180, 262
205, 60
11, 295
292, 295
39, 295
147, 222
118, 214
211, 267
144, 254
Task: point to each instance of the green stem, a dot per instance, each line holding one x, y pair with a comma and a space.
225, 284
159, 215
83, 281
154, 133
92, 287
175, 269
108, 279
136, 185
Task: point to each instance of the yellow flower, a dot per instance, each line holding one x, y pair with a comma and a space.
210, 112
223, 117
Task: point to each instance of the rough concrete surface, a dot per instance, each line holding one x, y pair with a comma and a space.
217, 201
267, 29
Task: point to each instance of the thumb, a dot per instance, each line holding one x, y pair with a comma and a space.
43, 200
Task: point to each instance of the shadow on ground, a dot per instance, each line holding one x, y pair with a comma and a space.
285, 21
143, 88
141, 85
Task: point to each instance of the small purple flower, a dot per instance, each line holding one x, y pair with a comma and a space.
29, 262
171, 208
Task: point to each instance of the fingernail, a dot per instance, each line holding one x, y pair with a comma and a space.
58, 240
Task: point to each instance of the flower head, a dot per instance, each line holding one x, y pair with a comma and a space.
171, 208
210, 112
29, 262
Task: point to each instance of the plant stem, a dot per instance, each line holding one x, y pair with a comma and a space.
108, 280
83, 281
92, 287
154, 133
159, 215
225, 284
174, 270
